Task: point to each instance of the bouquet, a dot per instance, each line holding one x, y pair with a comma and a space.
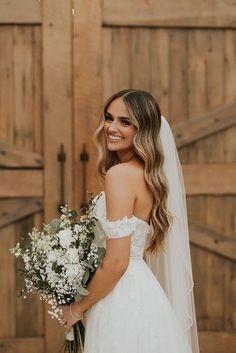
59, 262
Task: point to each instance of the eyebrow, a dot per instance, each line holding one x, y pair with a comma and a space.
119, 117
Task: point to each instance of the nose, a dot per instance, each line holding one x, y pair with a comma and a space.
113, 126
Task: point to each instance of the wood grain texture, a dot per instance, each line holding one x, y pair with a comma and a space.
140, 58
207, 238
169, 14
6, 84
57, 121
217, 342
211, 122
7, 288
21, 183
13, 156
11, 210
87, 64
22, 345
214, 178
159, 68
121, 63
14, 11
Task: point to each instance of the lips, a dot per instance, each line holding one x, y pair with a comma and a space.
113, 138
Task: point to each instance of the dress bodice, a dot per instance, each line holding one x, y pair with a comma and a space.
137, 228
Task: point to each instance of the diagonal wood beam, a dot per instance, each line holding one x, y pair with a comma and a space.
205, 237
205, 125
12, 156
11, 210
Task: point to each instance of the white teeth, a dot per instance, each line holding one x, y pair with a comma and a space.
115, 138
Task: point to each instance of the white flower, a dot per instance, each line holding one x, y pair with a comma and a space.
72, 254
72, 271
52, 256
66, 237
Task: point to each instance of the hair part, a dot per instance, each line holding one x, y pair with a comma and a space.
145, 114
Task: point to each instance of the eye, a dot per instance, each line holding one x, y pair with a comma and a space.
125, 122
108, 117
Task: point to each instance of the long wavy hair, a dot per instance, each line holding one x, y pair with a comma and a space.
145, 114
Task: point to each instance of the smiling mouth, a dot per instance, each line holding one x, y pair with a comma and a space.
114, 138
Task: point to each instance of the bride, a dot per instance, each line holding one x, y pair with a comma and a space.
141, 298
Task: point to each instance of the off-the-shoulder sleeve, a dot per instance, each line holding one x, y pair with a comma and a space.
118, 229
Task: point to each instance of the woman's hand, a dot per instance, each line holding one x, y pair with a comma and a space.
70, 316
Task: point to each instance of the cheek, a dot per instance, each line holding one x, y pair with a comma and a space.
132, 132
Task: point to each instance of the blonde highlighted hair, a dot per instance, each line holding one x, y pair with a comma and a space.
145, 114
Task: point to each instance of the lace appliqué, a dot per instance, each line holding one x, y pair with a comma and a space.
118, 229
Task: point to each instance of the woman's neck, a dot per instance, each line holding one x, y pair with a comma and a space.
126, 156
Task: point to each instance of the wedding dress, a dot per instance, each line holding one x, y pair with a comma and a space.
136, 316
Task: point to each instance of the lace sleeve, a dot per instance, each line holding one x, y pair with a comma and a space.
118, 229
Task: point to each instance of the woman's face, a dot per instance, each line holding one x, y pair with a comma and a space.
118, 129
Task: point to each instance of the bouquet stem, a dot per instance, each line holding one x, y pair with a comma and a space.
76, 345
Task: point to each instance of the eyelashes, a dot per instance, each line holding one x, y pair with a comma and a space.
122, 121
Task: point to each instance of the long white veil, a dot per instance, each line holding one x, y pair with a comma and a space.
173, 267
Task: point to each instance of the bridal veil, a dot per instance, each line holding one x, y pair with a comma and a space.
173, 267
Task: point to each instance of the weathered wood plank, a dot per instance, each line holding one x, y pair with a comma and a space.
87, 43
206, 237
217, 342
14, 11
6, 84
37, 71
178, 91
140, 58
121, 58
12, 156
12, 210
207, 124
107, 62
169, 14
159, 67
23, 90
21, 183
7, 287
57, 113
22, 345
215, 178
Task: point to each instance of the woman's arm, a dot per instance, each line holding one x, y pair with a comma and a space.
120, 199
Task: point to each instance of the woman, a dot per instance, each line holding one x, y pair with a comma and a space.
142, 208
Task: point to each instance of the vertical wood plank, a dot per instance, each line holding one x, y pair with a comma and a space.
215, 268
178, 109
107, 62
87, 46
140, 57
159, 75
197, 92
57, 110
7, 278
121, 59
6, 84
230, 201
37, 90
23, 105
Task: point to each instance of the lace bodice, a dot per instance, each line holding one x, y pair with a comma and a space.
134, 226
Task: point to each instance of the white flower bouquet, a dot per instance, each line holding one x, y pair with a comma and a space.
59, 262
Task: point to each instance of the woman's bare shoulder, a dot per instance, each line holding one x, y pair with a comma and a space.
129, 170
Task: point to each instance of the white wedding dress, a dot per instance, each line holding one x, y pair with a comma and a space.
136, 316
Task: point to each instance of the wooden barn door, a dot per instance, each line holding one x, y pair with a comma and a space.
35, 153
184, 53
